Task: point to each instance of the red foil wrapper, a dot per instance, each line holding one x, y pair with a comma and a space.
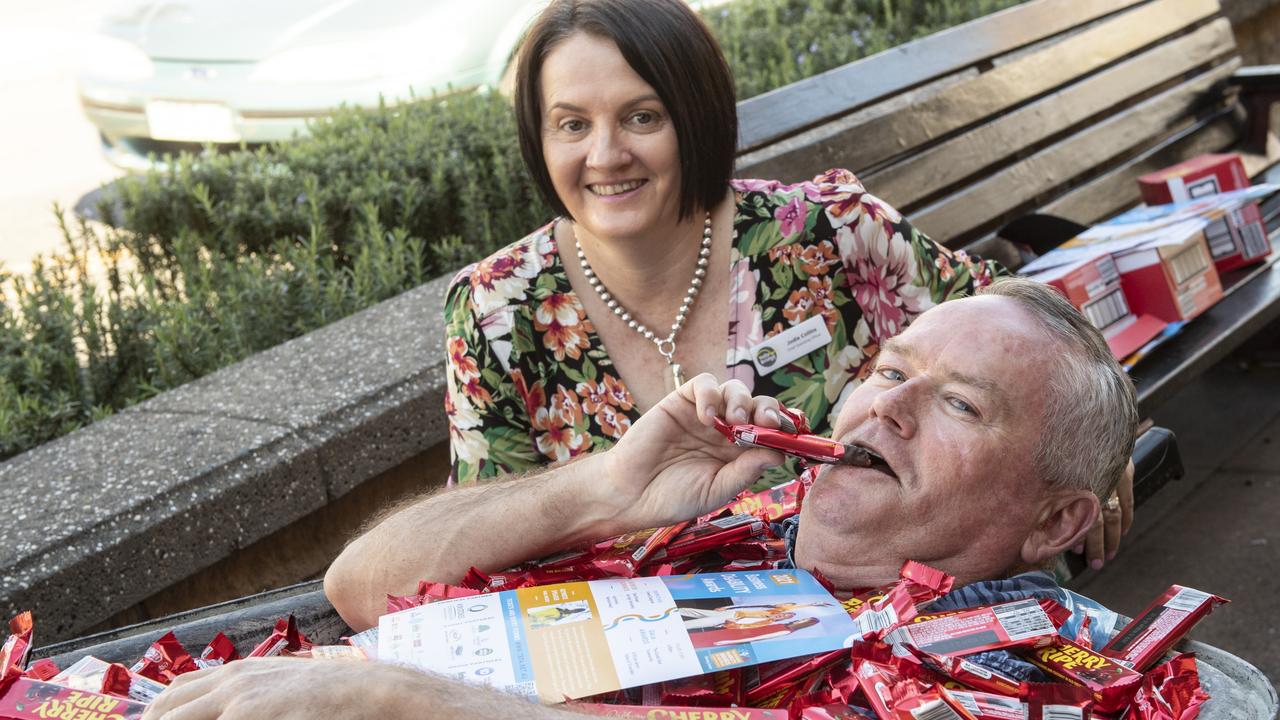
712, 534
772, 505
657, 712
783, 676
42, 669
165, 660
971, 674
717, 689
284, 640
972, 705
1112, 684
427, 592
219, 651
925, 584
1142, 643
13, 656
1169, 692
1055, 701
1022, 623
118, 681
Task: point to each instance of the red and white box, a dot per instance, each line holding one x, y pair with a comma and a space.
1093, 285
1173, 279
1195, 178
1236, 240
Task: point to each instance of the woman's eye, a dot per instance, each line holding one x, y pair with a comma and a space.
644, 118
572, 126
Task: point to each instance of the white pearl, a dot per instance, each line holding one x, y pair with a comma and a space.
632, 324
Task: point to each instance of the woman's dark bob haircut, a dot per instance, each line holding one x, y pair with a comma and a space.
668, 45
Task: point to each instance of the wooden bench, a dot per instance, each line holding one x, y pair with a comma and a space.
1052, 106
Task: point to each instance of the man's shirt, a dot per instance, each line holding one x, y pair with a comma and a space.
1034, 585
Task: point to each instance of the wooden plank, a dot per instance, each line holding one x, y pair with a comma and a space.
861, 145
963, 214
766, 118
1117, 190
907, 183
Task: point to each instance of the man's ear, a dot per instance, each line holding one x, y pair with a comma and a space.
1065, 518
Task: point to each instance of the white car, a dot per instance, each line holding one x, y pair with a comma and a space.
166, 75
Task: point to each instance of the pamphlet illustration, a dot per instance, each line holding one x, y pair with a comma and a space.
574, 640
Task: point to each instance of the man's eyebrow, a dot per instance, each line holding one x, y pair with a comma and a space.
898, 347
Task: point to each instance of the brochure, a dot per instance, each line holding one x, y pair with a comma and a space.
574, 640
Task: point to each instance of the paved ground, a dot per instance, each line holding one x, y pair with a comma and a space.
48, 150
1218, 529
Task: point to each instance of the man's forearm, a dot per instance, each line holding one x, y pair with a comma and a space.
491, 527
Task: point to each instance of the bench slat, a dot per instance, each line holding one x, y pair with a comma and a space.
909, 182
784, 112
860, 145
990, 203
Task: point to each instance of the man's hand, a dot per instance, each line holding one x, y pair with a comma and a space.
673, 465
297, 689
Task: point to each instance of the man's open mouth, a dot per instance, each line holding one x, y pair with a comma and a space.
606, 190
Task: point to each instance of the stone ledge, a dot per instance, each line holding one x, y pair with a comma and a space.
106, 516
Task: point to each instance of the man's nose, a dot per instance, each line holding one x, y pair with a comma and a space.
608, 150
896, 407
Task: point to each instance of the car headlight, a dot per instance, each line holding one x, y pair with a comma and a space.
111, 58
395, 56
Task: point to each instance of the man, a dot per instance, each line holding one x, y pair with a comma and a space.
1002, 420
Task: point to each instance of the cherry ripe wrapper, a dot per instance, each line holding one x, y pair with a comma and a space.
98, 676
780, 677
810, 448
1146, 639
716, 689
427, 592
284, 640
42, 669
1056, 701
1112, 684
165, 660
219, 651
1021, 623
711, 534
658, 712
971, 705
1169, 692
28, 699
13, 656
773, 505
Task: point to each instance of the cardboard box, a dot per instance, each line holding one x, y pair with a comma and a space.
1093, 286
1195, 178
1239, 239
1173, 279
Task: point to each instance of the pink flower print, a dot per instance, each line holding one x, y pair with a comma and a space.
792, 217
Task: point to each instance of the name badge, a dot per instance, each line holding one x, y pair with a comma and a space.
790, 344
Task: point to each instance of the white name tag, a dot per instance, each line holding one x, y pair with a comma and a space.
790, 344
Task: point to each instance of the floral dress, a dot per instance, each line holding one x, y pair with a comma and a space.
530, 383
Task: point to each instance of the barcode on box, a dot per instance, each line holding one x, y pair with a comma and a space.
1187, 600
1188, 263
1221, 240
1061, 712
1107, 309
936, 710
1255, 241
1023, 619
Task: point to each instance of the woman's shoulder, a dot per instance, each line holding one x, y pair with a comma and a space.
504, 278
837, 191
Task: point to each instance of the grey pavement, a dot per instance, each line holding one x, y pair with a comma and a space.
1218, 529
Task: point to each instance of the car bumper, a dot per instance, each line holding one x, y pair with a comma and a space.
128, 119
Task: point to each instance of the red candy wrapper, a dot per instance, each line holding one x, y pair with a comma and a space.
29, 699
971, 705
42, 669
656, 712
1022, 623
717, 689
98, 676
165, 660
712, 534
427, 592
284, 640
13, 657
772, 505
1169, 692
219, 651
1111, 683
1142, 643
1055, 701
969, 674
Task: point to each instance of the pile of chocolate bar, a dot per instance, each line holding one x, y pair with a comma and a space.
910, 664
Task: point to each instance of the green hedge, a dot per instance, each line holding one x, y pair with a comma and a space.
223, 255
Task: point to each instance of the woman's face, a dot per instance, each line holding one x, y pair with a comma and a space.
608, 141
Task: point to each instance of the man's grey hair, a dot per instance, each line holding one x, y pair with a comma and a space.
1092, 412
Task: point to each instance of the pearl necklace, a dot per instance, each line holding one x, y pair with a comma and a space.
666, 345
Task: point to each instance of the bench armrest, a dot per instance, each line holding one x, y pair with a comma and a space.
1259, 90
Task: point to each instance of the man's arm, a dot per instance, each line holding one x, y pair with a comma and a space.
670, 466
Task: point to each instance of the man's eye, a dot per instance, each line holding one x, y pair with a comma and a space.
962, 406
889, 373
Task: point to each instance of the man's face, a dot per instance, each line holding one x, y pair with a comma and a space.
954, 405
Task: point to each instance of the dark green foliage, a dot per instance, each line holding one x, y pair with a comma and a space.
223, 255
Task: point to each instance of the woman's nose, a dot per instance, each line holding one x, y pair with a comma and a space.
608, 150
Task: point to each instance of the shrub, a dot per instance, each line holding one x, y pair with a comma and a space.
219, 256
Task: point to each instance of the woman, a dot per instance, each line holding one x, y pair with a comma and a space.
659, 266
